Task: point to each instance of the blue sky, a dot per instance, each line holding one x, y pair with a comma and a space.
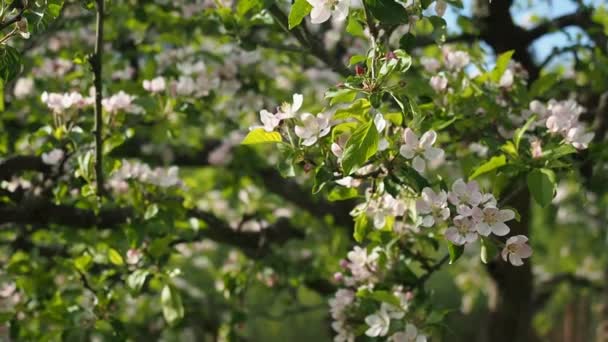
522, 11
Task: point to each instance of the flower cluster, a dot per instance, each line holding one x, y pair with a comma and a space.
160, 177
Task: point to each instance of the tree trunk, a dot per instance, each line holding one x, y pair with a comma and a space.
510, 319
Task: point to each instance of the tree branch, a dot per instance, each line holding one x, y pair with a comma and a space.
18, 164
96, 63
13, 20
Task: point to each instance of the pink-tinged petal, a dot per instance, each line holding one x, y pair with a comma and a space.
433, 153
422, 207
297, 102
428, 221
419, 164
471, 237
459, 187
310, 141
483, 228
500, 229
319, 14
301, 132
454, 236
341, 10
477, 214
336, 150
411, 139
506, 215
453, 198
410, 331
464, 210
505, 254
445, 213
407, 152
428, 139
324, 132
515, 260
524, 251
379, 220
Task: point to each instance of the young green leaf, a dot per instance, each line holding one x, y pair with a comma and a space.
502, 62
492, 164
299, 10
171, 302
115, 257
455, 252
360, 147
137, 279
541, 183
387, 11
260, 136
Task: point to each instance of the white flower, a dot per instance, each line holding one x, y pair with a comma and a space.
456, 60
378, 323
463, 231
156, 85
430, 64
506, 80
465, 193
420, 150
289, 110
117, 102
270, 121
133, 256
433, 207
323, 9
340, 302
361, 264
379, 122
191, 69
53, 157
313, 128
439, 83
440, 7
564, 114
492, 220
409, 335
337, 147
385, 206
23, 87
185, 86
578, 137
516, 249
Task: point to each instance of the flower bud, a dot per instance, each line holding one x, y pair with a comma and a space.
390, 55
359, 70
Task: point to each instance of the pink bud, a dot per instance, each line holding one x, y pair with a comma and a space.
390, 55
359, 70
338, 277
343, 263
409, 295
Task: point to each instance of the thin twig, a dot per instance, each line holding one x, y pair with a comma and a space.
13, 20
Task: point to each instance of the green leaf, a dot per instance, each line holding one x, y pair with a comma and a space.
171, 302
558, 152
137, 279
407, 175
541, 183
543, 84
322, 176
360, 147
341, 193
356, 59
115, 257
455, 252
151, 211
488, 250
299, 10
83, 262
519, 133
387, 11
384, 297
10, 63
260, 136
341, 96
357, 110
502, 62
439, 29
361, 227
492, 164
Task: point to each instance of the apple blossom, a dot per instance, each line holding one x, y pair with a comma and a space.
411, 334
465, 193
516, 248
421, 151
433, 207
53, 157
323, 9
379, 122
462, 232
456, 60
430, 64
579, 138
23, 87
378, 323
506, 80
118, 102
492, 220
289, 110
439, 83
156, 85
313, 128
